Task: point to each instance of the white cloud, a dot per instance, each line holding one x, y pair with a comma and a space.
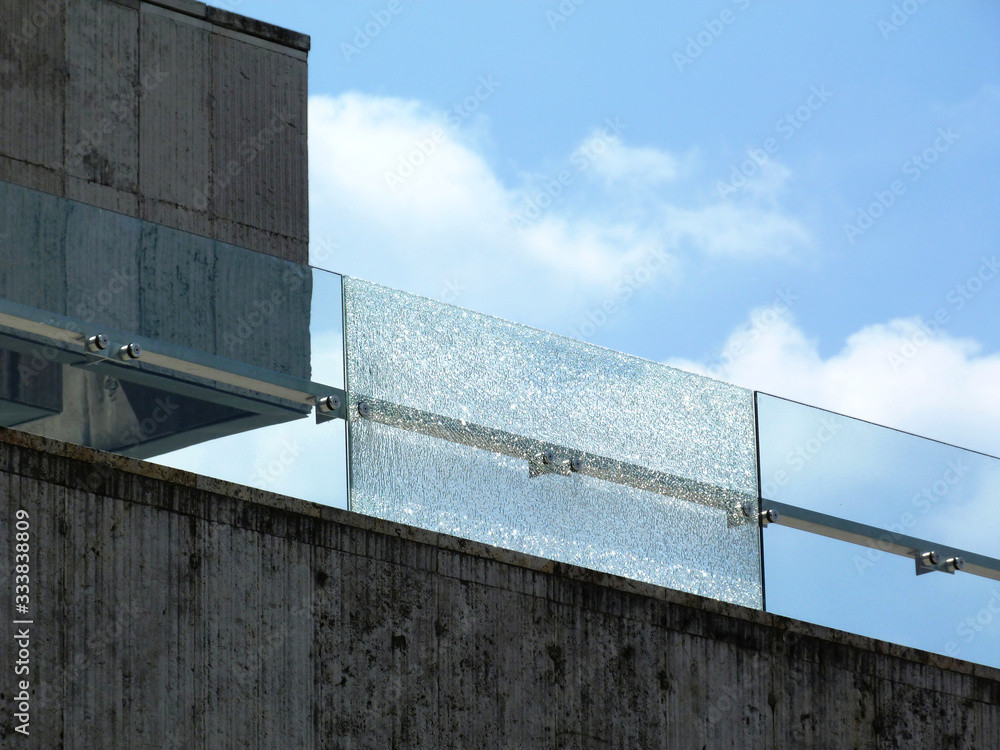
618, 163
411, 200
736, 229
891, 373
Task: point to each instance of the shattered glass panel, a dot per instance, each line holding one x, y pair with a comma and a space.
481, 428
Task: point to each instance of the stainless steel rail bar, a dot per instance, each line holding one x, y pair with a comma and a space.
551, 458
73, 335
884, 540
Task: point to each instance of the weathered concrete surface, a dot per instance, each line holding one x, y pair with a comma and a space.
174, 611
170, 111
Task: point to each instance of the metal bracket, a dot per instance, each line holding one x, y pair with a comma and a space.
549, 462
329, 408
765, 517
938, 558
547, 458
928, 562
117, 349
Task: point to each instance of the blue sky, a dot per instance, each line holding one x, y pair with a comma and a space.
821, 108
800, 198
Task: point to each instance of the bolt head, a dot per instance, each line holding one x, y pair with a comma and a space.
329, 403
130, 351
576, 464
958, 563
364, 409
97, 342
549, 457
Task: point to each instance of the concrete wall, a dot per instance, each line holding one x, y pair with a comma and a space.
173, 611
170, 111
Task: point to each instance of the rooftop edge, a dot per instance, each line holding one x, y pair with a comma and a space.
235, 22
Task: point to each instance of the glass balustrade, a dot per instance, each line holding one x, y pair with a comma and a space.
481, 428
131, 337
905, 531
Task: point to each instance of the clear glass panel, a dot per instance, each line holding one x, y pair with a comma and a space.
235, 346
648, 467
875, 475
892, 480
304, 458
877, 594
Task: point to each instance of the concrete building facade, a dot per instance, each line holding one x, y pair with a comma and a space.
171, 111
153, 182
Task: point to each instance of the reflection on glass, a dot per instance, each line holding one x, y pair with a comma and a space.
78, 270
473, 426
231, 341
892, 480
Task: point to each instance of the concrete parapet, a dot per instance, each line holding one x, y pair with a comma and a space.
173, 610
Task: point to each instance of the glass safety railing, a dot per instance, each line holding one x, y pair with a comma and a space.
131, 337
484, 429
904, 531
136, 338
